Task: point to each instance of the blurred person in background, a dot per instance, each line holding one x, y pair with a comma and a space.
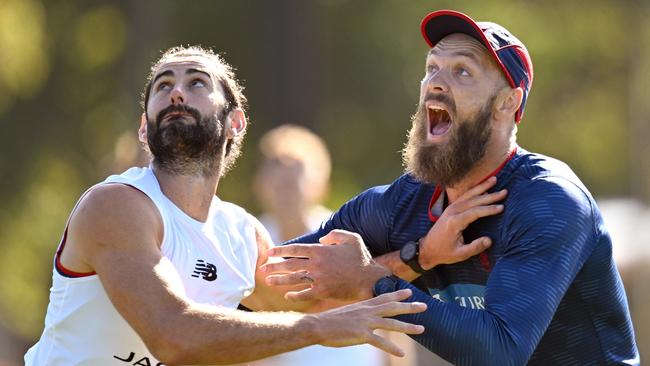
290, 184
292, 181
152, 264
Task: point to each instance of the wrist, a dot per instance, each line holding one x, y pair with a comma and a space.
426, 260
410, 255
373, 273
385, 285
308, 326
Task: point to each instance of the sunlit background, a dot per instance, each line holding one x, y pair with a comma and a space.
71, 74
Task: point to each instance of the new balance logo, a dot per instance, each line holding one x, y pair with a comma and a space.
206, 270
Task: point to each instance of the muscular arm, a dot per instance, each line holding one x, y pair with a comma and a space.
343, 268
525, 287
117, 231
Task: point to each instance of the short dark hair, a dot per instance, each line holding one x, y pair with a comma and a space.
224, 74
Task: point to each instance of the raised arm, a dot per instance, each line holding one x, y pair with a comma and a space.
525, 287
341, 266
444, 243
116, 232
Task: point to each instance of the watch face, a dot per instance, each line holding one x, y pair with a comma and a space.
385, 285
408, 251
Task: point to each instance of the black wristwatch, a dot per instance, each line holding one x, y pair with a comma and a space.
410, 255
385, 285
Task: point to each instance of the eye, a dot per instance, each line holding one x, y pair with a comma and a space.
164, 85
462, 71
197, 83
431, 68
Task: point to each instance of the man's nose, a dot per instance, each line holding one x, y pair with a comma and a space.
437, 82
177, 95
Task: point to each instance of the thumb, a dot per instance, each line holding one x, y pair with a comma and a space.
337, 237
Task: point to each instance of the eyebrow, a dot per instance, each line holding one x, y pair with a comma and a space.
165, 73
194, 71
171, 73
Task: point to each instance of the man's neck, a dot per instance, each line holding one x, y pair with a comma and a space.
494, 157
193, 194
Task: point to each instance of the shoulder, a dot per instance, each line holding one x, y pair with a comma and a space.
400, 189
532, 166
550, 203
110, 211
237, 216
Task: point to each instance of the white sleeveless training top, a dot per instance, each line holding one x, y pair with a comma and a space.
216, 261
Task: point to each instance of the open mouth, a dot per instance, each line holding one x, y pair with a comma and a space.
439, 120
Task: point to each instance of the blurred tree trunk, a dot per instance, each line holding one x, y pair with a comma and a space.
290, 47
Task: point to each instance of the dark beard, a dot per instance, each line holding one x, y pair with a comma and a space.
187, 149
448, 163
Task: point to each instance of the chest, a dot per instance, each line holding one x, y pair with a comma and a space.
216, 263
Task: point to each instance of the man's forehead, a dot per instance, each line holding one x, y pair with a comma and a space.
180, 63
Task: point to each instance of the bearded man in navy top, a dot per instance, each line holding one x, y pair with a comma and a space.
544, 292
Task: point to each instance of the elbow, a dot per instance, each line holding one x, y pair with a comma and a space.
511, 354
175, 350
169, 350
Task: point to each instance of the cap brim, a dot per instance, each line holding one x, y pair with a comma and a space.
441, 23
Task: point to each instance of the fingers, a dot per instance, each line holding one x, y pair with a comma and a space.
473, 214
339, 237
400, 308
289, 265
293, 250
388, 297
479, 189
489, 198
385, 345
474, 248
304, 295
395, 325
289, 279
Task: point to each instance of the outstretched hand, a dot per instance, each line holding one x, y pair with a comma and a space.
355, 324
444, 243
339, 268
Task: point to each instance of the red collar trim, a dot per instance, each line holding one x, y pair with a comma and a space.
438, 191
434, 198
498, 169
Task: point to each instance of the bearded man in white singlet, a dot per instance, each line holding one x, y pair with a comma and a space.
153, 265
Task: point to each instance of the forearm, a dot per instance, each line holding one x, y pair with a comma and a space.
467, 336
393, 262
214, 335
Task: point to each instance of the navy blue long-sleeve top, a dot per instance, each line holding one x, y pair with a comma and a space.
546, 292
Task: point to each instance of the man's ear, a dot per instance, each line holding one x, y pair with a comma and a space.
509, 101
235, 123
142, 131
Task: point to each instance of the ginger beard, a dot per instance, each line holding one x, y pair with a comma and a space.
448, 162
183, 142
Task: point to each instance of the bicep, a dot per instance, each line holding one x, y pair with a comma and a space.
548, 237
119, 232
